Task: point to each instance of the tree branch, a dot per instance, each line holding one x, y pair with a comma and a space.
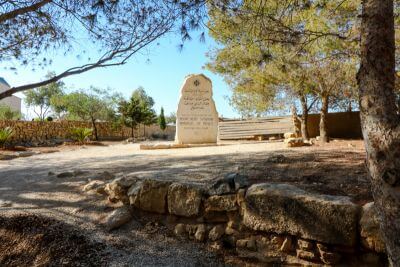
23, 10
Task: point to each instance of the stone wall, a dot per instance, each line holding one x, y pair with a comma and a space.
267, 222
340, 125
34, 131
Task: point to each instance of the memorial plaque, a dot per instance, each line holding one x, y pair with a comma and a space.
196, 117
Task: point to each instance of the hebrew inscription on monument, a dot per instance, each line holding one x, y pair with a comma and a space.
197, 117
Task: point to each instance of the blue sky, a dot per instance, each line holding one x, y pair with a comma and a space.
160, 70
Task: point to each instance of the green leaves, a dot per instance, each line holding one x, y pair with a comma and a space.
161, 120
139, 109
81, 134
6, 113
5, 136
270, 52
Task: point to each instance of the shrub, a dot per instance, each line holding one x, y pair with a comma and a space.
81, 134
49, 118
6, 113
5, 135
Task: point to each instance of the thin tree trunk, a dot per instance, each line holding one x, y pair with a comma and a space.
323, 125
132, 135
349, 107
379, 118
304, 118
95, 129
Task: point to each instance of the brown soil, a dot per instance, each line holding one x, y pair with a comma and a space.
37, 241
336, 169
326, 169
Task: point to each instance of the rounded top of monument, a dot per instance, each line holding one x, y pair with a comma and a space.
197, 84
198, 75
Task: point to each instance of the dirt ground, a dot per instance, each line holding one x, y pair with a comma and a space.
31, 196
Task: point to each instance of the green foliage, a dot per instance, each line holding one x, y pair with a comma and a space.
81, 134
171, 118
88, 105
282, 57
6, 113
161, 120
139, 109
41, 98
5, 136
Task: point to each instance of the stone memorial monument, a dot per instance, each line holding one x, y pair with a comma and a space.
196, 117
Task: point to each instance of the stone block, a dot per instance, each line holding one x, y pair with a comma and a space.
216, 232
220, 203
184, 200
153, 196
283, 208
294, 142
371, 237
289, 135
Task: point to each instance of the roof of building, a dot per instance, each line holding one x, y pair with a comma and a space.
4, 81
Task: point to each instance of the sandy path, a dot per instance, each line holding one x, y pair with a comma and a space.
27, 187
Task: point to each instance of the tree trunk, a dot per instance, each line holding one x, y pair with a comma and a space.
379, 118
304, 118
95, 129
132, 134
144, 131
323, 125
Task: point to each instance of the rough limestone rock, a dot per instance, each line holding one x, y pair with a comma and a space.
216, 232
184, 200
289, 135
221, 203
283, 208
196, 117
294, 142
371, 237
180, 229
118, 218
201, 232
229, 184
118, 188
153, 196
134, 194
94, 186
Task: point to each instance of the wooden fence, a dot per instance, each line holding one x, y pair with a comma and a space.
230, 129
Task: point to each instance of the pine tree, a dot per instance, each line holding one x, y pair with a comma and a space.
161, 120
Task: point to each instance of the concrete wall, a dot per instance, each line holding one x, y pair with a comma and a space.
25, 131
340, 125
13, 102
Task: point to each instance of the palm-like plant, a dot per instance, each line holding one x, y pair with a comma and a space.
5, 136
81, 134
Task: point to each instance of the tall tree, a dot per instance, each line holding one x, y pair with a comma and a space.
376, 80
380, 118
131, 113
264, 65
40, 98
161, 120
88, 105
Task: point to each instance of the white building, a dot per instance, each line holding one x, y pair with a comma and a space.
13, 102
